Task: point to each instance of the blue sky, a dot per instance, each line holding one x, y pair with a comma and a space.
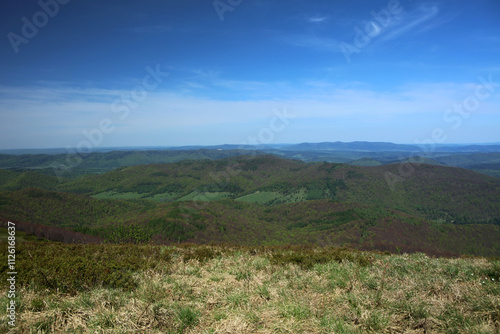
170, 73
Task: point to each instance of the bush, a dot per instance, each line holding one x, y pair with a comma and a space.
307, 258
201, 254
73, 268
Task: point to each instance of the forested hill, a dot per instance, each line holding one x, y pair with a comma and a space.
429, 191
320, 222
264, 199
485, 159
71, 164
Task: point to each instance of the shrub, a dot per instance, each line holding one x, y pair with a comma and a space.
73, 268
307, 258
201, 254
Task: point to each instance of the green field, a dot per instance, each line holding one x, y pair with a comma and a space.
204, 196
117, 195
272, 197
260, 197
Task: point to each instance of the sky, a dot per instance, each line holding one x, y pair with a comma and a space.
106, 73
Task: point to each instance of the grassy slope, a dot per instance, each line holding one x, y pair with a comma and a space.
247, 290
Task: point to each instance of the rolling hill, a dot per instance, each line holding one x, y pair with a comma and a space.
430, 191
71, 165
264, 199
482, 158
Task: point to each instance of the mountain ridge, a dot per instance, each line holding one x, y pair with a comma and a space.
354, 145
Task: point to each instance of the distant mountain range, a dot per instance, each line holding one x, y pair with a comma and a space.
388, 147
362, 146
354, 146
481, 158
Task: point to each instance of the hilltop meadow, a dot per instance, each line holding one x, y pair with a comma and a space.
227, 289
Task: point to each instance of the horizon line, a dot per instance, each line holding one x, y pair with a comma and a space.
244, 146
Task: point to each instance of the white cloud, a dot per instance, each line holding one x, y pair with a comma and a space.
59, 115
317, 19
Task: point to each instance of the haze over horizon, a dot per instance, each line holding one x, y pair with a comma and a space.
163, 73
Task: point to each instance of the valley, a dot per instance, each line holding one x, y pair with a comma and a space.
243, 197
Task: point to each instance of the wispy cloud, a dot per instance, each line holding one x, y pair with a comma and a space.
212, 83
58, 116
317, 19
322, 99
421, 19
310, 40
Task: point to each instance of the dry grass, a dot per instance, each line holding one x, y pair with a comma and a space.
242, 291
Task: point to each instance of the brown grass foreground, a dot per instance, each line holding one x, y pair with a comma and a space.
222, 289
